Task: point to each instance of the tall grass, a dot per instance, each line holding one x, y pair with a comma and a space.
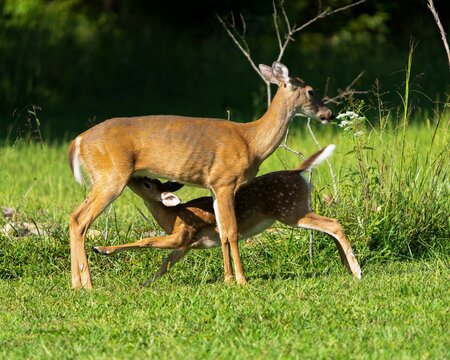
394, 203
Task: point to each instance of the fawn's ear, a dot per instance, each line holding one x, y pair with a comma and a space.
169, 199
171, 186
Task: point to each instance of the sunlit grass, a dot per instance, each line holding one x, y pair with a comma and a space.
398, 311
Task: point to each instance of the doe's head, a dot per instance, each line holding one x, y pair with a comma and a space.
301, 95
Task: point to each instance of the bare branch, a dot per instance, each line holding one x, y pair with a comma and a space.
233, 23
244, 48
244, 27
285, 146
347, 92
245, 51
325, 92
339, 99
295, 29
346, 7
275, 23
441, 28
286, 19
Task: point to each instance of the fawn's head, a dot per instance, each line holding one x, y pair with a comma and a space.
301, 95
153, 190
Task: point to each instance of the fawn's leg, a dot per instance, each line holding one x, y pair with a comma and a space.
167, 264
173, 241
333, 228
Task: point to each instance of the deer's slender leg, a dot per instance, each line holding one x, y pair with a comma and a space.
173, 241
225, 245
228, 268
333, 228
239, 269
167, 264
226, 222
80, 221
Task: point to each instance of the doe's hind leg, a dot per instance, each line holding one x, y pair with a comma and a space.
80, 221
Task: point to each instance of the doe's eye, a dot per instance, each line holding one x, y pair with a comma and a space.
311, 92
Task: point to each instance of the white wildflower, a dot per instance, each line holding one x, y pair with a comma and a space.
344, 123
348, 114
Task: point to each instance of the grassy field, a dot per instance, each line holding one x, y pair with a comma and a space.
391, 195
399, 310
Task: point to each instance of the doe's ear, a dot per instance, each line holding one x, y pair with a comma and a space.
267, 72
169, 199
280, 72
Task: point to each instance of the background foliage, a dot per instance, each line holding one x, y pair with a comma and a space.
83, 61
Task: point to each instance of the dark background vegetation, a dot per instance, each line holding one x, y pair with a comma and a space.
83, 61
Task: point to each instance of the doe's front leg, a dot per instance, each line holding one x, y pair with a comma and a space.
227, 225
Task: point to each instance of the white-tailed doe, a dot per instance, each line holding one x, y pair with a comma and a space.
278, 196
216, 154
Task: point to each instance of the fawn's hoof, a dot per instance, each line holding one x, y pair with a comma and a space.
99, 250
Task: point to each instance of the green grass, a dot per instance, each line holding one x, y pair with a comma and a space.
399, 310
397, 221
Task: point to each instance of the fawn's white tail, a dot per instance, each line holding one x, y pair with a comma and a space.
317, 158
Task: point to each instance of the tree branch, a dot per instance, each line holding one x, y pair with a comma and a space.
347, 92
284, 145
295, 29
275, 23
441, 28
245, 51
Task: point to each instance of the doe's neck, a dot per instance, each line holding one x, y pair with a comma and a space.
266, 134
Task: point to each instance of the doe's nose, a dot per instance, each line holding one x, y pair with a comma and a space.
326, 114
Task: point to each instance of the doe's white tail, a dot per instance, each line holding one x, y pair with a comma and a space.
75, 161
